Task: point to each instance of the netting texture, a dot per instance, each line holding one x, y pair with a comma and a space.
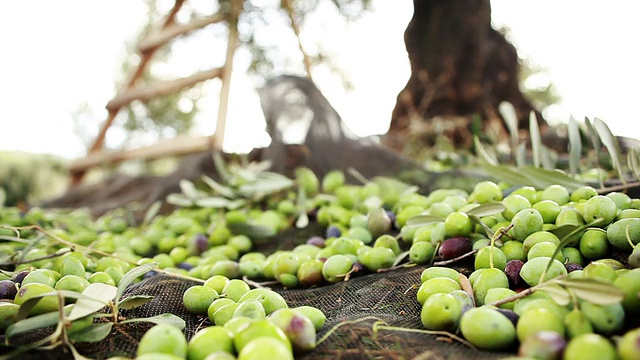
358, 304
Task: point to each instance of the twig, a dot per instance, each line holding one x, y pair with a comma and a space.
50, 256
451, 261
263, 284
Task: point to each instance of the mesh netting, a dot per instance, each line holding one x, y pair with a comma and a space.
358, 304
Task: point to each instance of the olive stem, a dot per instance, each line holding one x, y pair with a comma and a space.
263, 284
451, 261
377, 327
50, 256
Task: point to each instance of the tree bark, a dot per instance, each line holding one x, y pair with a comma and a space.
460, 66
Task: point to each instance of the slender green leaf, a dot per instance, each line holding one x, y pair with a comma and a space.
400, 258
633, 155
521, 155
179, 200
595, 142
212, 202
559, 294
219, 188
236, 204
594, 291
27, 306
252, 230
189, 189
266, 186
33, 323
563, 230
545, 178
530, 176
169, 319
466, 286
132, 275
152, 212
221, 167
487, 230
101, 294
94, 333
567, 237
549, 158
536, 139
134, 301
421, 220
508, 113
611, 143
480, 150
487, 209
575, 146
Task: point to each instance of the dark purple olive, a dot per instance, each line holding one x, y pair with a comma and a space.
572, 267
149, 274
316, 241
392, 218
357, 266
8, 290
185, 266
312, 214
512, 270
200, 243
333, 231
454, 247
17, 278
510, 314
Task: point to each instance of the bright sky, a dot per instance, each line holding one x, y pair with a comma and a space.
57, 55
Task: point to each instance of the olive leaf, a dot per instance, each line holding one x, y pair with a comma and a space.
100, 295
152, 211
508, 113
179, 200
530, 176
611, 143
169, 319
575, 146
421, 220
219, 188
559, 294
480, 150
545, 178
536, 142
487, 209
33, 323
94, 333
27, 306
400, 257
594, 291
633, 155
595, 142
252, 230
213, 202
565, 233
134, 301
487, 230
466, 286
132, 275
521, 154
221, 168
189, 189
